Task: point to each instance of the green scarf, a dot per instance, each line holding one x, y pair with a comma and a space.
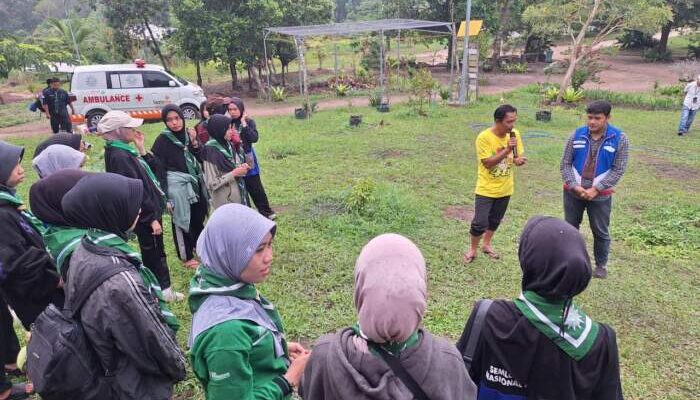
228, 153
15, 201
395, 348
193, 167
61, 241
579, 331
106, 239
118, 144
205, 283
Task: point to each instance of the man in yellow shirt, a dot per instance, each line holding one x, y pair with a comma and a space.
498, 148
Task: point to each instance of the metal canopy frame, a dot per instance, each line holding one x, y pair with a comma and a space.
354, 28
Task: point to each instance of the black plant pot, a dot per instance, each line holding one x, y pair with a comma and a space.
299, 113
355, 120
384, 107
543, 115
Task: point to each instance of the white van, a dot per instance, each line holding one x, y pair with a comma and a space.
139, 89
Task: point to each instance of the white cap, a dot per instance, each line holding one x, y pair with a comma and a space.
114, 120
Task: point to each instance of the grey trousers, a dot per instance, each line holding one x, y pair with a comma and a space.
598, 217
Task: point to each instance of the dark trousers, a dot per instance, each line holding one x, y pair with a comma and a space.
186, 242
61, 122
488, 213
153, 253
599, 219
255, 188
9, 345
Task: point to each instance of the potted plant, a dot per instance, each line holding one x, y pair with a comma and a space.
355, 120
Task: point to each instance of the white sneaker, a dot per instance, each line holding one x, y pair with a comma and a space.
169, 295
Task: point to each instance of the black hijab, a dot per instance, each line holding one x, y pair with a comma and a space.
164, 116
66, 139
46, 194
553, 258
104, 201
217, 127
239, 103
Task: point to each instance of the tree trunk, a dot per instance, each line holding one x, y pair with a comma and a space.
284, 81
156, 47
665, 33
199, 72
234, 74
575, 57
502, 22
250, 80
255, 73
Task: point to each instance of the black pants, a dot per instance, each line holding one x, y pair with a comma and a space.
598, 217
153, 253
255, 188
9, 345
61, 122
186, 242
488, 213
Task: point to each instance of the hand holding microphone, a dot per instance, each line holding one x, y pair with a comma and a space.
513, 143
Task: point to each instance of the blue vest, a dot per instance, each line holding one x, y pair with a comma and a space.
606, 152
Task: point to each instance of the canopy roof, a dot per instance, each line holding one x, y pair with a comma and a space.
347, 28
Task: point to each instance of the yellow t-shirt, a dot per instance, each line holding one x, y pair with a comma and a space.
497, 181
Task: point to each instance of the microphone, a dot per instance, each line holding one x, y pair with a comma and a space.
515, 149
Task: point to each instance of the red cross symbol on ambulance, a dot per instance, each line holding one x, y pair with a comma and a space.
139, 97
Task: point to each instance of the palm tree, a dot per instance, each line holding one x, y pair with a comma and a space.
72, 33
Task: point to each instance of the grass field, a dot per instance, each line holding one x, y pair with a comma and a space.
16, 113
423, 170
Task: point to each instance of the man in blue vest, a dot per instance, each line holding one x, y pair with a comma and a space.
595, 158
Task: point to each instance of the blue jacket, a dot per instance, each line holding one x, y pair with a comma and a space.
606, 152
256, 166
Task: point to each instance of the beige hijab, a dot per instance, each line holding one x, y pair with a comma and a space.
390, 288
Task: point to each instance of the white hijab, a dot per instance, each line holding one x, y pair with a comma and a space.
55, 158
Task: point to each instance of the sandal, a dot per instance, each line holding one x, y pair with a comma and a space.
469, 259
490, 253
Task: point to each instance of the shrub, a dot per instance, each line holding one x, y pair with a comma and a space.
278, 93
422, 85
673, 90
572, 95
355, 83
636, 40
361, 196
375, 99
639, 100
654, 55
342, 89
514, 67
310, 107
551, 93
445, 93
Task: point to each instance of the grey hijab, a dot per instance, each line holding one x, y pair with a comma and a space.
226, 245
55, 158
10, 155
231, 237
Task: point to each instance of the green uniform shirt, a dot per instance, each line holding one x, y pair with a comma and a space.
236, 360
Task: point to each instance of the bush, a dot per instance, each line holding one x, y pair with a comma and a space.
370, 59
514, 67
444, 93
342, 89
654, 55
551, 93
572, 95
639, 100
278, 93
673, 90
375, 99
422, 85
361, 196
636, 40
355, 83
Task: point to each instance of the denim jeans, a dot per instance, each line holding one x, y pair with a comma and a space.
598, 217
687, 116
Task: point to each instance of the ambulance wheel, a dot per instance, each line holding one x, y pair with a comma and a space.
189, 111
94, 117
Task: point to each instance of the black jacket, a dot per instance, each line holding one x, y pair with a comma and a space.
125, 327
28, 276
120, 162
170, 157
514, 358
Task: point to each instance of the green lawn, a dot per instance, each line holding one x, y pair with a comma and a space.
679, 45
423, 165
16, 113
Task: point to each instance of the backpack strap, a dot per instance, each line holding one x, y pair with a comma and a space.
77, 303
468, 344
400, 372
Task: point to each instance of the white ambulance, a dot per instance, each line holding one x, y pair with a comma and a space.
139, 89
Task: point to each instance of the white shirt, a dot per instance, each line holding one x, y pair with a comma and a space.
692, 90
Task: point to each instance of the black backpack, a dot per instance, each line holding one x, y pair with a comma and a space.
60, 360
